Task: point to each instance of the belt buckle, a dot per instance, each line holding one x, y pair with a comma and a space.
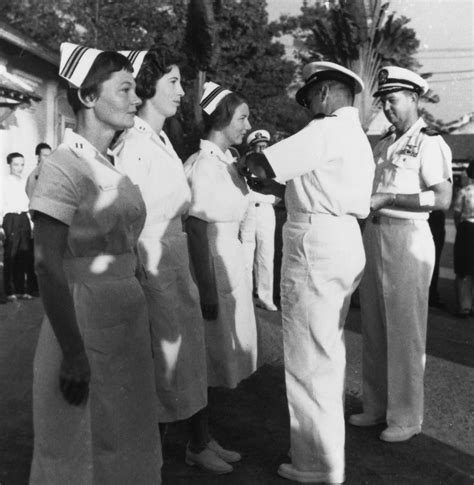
375, 219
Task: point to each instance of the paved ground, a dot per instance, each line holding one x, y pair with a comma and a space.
254, 420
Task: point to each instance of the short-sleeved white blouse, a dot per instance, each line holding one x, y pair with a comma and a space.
219, 193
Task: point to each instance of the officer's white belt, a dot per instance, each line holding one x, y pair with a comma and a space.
380, 219
311, 217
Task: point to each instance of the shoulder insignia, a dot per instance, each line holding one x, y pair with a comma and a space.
430, 131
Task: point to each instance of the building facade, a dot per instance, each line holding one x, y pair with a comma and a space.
33, 104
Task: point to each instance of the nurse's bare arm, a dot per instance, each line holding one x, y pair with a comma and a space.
50, 245
439, 200
199, 252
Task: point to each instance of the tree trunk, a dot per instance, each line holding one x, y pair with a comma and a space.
198, 90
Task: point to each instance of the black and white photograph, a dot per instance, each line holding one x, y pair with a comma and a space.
236, 242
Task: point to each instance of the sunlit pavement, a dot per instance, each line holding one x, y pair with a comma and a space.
253, 418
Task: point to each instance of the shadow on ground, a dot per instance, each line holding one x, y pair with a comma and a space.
253, 419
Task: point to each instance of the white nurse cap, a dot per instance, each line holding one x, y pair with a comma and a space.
76, 62
213, 94
136, 58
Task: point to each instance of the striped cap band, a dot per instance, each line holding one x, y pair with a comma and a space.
75, 62
394, 78
136, 58
213, 94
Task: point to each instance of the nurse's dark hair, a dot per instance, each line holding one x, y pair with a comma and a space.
104, 65
157, 62
222, 115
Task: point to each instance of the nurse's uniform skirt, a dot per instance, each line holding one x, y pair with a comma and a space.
231, 340
176, 323
114, 438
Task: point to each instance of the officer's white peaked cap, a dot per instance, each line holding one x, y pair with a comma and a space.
394, 78
324, 71
76, 62
211, 97
136, 59
258, 135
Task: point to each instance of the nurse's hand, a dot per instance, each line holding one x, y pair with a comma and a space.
380, 200
74, 378
209, 311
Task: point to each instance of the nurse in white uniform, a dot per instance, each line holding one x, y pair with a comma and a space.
94, 402
176, 324
328, 168
257, 233
218, 205
412, 177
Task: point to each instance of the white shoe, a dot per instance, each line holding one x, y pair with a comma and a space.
208, 460
227, 455
271, 307
364, 420
394, 434
287, 470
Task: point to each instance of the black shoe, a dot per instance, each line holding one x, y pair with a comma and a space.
462, 314
3, 300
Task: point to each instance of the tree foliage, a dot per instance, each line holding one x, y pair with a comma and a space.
106, 24
244, 56
359, 34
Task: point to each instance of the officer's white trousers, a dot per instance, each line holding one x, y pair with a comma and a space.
257, 233
394, 308
323, 262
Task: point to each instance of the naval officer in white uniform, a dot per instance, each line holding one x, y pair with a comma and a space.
257, 232
412, 178
328, 168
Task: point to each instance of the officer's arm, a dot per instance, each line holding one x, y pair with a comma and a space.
259, 166
260, 176
436, 197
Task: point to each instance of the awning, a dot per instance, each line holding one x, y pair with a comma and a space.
14, 90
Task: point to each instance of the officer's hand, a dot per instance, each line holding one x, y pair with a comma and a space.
266, 187
380, 200
74, 378
242, 167
209, 311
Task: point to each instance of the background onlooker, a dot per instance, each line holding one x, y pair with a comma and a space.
464, 245
257, 233
17, 227
436, 222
